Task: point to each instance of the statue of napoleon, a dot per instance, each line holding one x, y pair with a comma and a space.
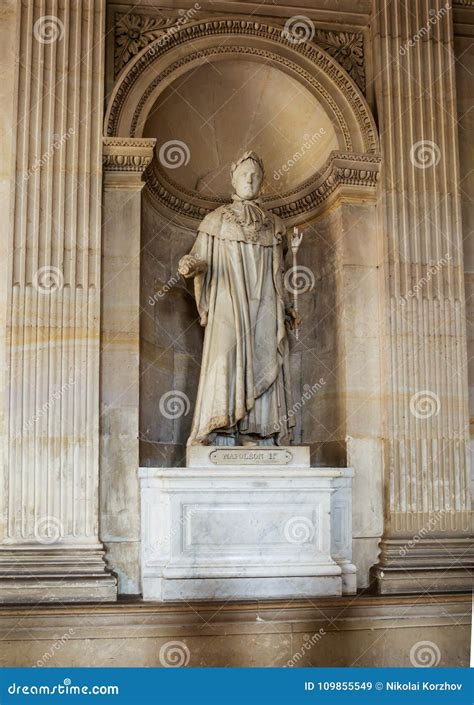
238, 267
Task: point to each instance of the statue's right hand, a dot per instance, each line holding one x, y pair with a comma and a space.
190, 266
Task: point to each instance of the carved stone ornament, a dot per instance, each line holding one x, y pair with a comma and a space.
355, 165
354, 171
133, 32
195, 31
348, 50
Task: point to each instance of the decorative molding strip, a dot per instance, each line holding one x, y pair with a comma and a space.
244, 28
127, 153
342, 168
133, 32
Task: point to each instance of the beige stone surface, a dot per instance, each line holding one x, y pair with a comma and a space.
319, 632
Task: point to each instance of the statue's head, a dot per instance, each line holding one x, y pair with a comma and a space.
247, 175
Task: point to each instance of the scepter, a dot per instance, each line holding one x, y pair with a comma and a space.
295, 246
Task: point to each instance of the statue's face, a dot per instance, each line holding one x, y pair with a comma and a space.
247, 179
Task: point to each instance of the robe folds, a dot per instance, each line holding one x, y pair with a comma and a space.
244, 382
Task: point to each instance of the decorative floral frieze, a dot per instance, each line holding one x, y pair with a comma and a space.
342, 168
133, 32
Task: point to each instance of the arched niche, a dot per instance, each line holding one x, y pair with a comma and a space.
149, 324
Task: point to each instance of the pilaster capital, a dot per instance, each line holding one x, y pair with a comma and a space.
125, 160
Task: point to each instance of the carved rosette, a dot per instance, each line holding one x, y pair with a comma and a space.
133, 32
354, 167
125, 160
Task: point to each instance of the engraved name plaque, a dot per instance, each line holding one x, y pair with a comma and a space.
250, 456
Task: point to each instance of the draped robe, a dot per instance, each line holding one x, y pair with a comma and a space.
244, 383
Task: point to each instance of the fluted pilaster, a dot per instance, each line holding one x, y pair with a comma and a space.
50, 546
428, 522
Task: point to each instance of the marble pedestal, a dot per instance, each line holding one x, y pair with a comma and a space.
246, 523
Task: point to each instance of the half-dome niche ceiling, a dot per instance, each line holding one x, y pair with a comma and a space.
210, 115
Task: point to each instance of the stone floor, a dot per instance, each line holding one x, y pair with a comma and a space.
358, 630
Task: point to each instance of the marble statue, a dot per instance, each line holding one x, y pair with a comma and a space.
237, 263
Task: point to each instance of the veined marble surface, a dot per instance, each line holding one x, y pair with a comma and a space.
246, 531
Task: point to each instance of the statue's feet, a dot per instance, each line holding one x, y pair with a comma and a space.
225, 439
253, 439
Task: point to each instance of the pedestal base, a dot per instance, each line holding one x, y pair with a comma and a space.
55, 574
429, 565
212, 532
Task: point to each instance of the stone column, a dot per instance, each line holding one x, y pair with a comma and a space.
49, 538
427, 543
125, 160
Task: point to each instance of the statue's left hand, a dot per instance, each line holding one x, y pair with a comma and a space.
292, 318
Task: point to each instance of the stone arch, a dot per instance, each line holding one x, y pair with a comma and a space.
338, 205
354, 165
